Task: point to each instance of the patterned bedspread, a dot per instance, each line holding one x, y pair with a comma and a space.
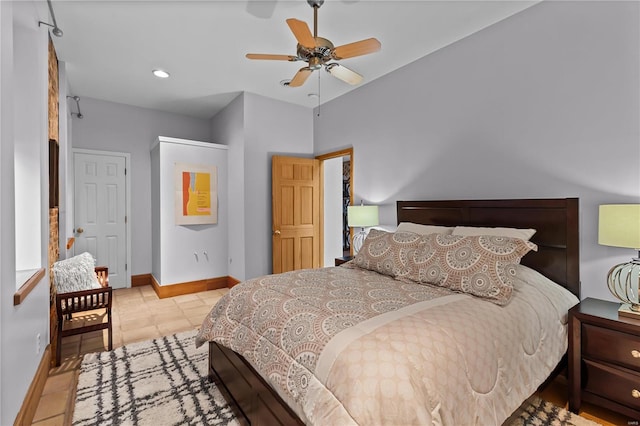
346, 345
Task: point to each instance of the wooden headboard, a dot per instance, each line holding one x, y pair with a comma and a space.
555, 219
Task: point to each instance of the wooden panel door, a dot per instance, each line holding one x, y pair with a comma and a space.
295, 188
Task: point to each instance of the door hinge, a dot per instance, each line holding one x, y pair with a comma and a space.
125, 171
125, 219
125, 266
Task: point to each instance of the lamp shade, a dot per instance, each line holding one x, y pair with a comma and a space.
619, 225
362, 216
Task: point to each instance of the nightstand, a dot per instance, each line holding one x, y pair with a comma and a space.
604, 358
344, 259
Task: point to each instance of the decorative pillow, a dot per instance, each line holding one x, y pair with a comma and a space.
75, 274
423, 229
483, 265
523, 234
387, 252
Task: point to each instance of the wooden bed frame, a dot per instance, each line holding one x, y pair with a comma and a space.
556, 221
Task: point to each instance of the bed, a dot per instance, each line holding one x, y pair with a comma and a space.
418, 359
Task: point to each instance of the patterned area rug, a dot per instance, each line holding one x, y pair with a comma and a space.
158, 382
537, 412
164, 382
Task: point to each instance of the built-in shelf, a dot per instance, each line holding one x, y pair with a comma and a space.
27, 279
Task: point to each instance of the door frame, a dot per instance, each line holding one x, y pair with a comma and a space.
335, 154
127, 184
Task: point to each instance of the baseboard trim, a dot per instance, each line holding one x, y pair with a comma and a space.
164, 291
141, 280
32, 399
232, 282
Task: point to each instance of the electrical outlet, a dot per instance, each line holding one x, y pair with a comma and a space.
38, 343
230, 261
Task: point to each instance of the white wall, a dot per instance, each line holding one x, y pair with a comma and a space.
116, 127
332, 169
28, 135
543, 104
188, 252
156, 225
7, 216
20, 325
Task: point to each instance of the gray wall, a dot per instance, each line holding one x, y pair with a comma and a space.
227, 127
256, 128
271, 127
110, 126
24, 329
543, 104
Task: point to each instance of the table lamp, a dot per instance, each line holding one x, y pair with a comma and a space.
361, 217
619, 226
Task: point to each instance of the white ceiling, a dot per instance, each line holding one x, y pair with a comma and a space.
111, 47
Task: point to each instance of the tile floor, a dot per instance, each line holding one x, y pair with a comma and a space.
138, 315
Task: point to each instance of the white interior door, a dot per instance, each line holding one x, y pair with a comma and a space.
100, 211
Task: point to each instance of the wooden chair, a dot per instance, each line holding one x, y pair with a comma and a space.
73, 302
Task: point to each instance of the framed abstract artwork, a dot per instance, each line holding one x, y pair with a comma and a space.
196, 194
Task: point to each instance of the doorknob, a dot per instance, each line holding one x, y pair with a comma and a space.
79, 230
276, 232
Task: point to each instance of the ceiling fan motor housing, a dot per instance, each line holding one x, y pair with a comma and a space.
317, 56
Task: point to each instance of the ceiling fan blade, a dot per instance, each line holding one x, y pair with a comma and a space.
345, 74
271, 57
300, 77
301, 31
358, 48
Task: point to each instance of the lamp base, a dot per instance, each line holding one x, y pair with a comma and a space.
626, 311
358, 239
623, 281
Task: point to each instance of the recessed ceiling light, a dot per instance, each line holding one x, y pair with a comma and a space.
161, 73
312, 95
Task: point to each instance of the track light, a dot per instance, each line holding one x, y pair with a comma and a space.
56, 30
77, 99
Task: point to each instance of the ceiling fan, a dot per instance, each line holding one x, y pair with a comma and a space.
318, 52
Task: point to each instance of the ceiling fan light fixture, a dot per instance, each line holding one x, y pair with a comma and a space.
160, 73
315, 63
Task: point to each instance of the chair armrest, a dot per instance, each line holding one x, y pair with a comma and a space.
102, 272
85, 300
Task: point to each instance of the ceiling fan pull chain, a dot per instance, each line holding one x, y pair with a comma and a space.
319, 94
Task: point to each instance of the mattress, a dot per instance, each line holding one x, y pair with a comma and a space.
346, 345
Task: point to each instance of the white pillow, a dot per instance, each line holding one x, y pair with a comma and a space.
424, 229
75, 274
472, 231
